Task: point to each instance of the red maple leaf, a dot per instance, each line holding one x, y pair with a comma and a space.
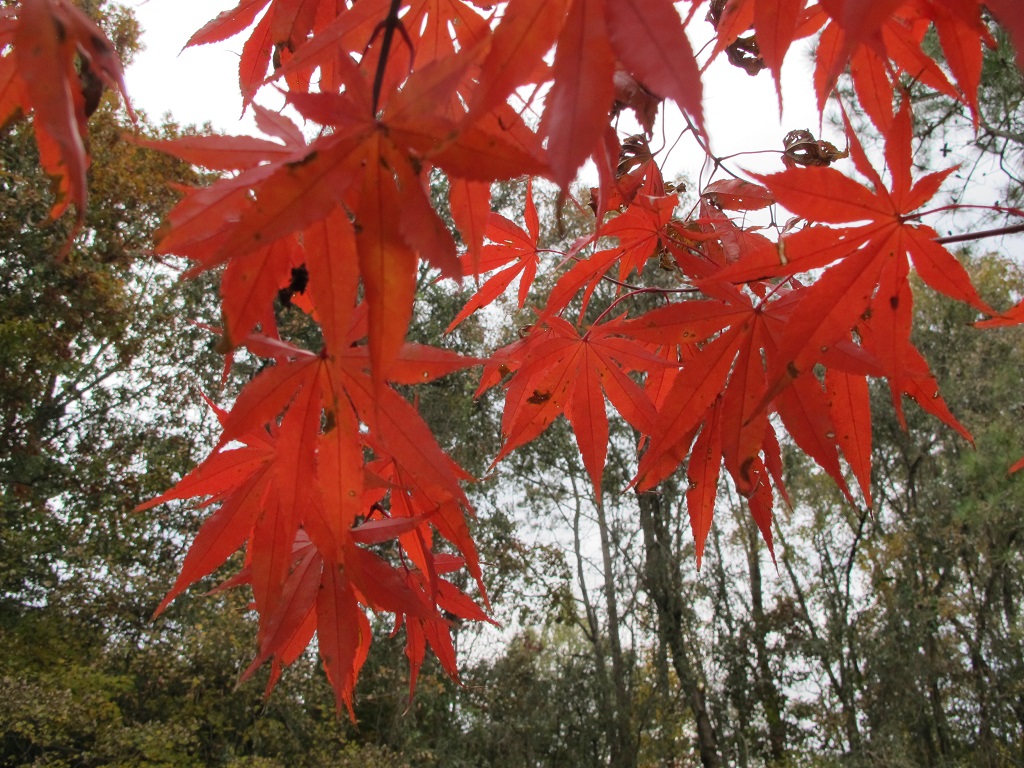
321, 459
866, 258
293, 492
642, 229
558, 372
718, 394
56, 62
883, 40
593, 38
509, 243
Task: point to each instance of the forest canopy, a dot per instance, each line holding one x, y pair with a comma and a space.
739, 326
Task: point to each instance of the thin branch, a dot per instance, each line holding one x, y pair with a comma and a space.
389, 25
981, 234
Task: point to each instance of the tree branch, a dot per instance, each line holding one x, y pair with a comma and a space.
389, 25
981, 234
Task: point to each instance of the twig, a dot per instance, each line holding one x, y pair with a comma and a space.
981, 234
389, 25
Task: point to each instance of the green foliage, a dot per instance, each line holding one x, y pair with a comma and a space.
885, 639
920, 600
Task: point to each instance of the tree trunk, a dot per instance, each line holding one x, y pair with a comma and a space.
664, 585
613, 708
771, 699
623, 746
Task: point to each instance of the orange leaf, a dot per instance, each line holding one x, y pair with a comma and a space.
342, 630
737, 195
527, 30
577, 107
228, 23
664, 60
850, 408
702, 478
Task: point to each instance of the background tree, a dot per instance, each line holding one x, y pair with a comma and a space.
904, 617
344, 495
101, 372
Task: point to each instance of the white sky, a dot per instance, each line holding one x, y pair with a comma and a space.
196, 85
200, 84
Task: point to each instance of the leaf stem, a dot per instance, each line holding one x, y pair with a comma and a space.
960, 207
390, 24
981, 234
622, 298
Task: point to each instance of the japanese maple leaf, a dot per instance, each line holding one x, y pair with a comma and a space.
1013, 316
411, 501
285, 27
470, 204
883, 334
54, 57
228, 23
592, 38
264, 489
717, 397
863, 253
395, 431
343, 381
435, 630
236, 478
395, 427
425, 480
641, 230
373, 167
202, 223
368, 167
881, 40
509, 243
728, 328
558, 372
292, 495
428, 31
737, 195
702, 473
253, 280
321, 596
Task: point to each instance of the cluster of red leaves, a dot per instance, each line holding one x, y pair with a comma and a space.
325, 475
55, 64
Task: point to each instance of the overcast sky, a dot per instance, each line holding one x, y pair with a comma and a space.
200, 84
